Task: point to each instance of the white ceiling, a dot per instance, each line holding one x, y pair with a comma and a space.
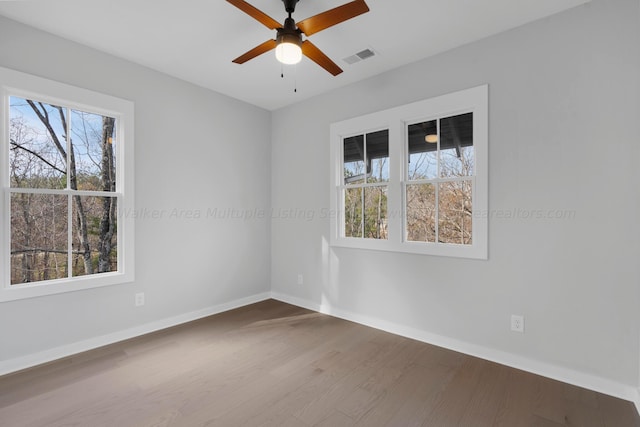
195, 40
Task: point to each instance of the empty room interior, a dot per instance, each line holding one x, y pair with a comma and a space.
413, 213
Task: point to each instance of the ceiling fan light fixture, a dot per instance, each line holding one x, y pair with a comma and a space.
431, 138
288, 44
288, 50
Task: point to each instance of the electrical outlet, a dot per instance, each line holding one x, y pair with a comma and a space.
517, 323
300, 279
139, 299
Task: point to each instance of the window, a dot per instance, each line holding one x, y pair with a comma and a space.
366, 174
439, 182
414, 178
67, 153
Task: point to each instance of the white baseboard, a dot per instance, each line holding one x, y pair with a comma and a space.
563, 374
299, 302
31, 360
577, 378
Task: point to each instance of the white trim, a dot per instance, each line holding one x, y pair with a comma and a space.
300, 302
563, 374
5, 225
559, 373
474, 100
15, 83
31, 360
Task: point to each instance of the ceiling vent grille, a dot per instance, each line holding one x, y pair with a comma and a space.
360, 56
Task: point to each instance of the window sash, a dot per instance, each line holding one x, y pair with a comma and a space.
69, 194
342, 191
436, 183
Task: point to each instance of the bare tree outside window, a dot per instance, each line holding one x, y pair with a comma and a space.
62, 171
413, 178
439, 189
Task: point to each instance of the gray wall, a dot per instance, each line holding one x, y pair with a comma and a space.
194, 150
564, 135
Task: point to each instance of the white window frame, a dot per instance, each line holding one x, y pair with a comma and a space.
397, 119
15, 83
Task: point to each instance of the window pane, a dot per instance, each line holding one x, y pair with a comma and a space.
93, 142
421, 213
375, 213
354, 160
38, 237
455, 211
353, 212
457, 157
423, 149
94, 235
378, 156
38, 151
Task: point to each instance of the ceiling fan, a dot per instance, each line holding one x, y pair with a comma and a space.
288, 43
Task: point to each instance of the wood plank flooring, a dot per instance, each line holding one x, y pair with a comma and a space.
273, 364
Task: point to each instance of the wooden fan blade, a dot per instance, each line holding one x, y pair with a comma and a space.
316, 55
258, 50
256, 14
332, 17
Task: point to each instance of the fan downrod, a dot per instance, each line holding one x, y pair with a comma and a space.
290, 6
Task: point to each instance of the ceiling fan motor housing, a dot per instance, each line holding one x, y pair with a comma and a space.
289, 33
286, 37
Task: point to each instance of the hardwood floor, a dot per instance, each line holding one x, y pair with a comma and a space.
273, 364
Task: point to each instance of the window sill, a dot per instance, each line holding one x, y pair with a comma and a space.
52, 287
419, 248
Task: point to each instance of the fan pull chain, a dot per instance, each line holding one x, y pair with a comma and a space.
295, 76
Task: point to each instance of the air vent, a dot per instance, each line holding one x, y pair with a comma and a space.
360, 56
367, 53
